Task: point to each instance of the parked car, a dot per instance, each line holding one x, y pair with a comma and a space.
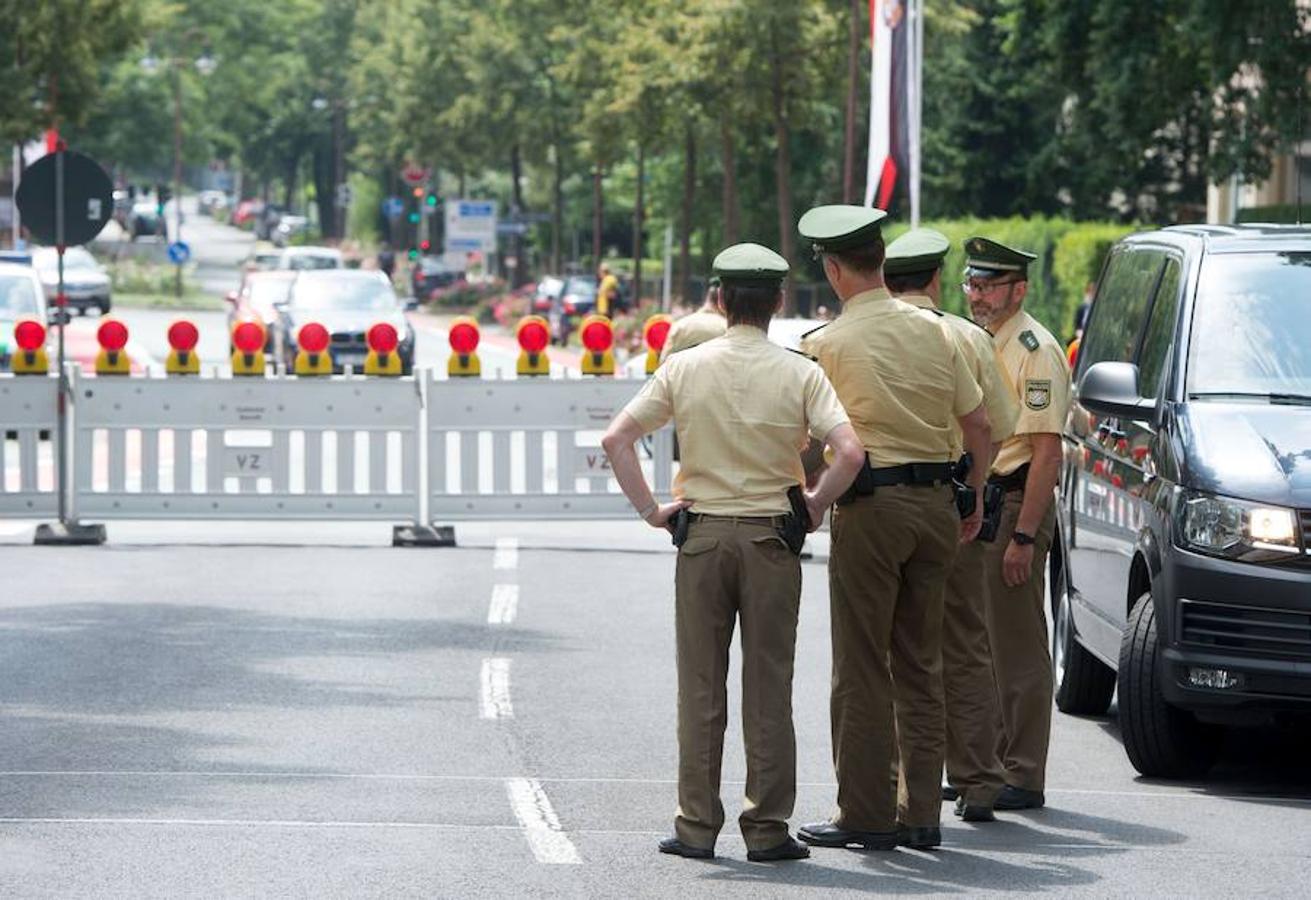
288, 228
1182, 564
547, 290
211, 202
247, 212
431, 274
145, 220
21, 295
576, 298
263, 257
347, 302
302, 258
261, 296
86, 283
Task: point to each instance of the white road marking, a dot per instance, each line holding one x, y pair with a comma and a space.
495, 694
504, 605
507, 554
13, 529
541, 826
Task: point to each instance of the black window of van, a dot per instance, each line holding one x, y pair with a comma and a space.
1120, 306
1160, 331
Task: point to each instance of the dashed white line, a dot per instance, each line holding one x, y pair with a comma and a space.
504, 605
495, 694
541, 826
506, 556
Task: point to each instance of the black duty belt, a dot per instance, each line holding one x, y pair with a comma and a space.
914, 474
1012, 481
771, 521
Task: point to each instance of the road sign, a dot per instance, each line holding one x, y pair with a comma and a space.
512, 228
414, 174
179, 252
471, 225
344, 195
88, 198
392, 207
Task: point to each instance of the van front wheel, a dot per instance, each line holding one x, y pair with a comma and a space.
1162, 741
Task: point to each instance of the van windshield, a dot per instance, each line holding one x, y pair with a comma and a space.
1252, 326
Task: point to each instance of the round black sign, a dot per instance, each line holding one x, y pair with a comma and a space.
88, 198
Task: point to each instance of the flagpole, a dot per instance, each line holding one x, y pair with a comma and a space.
915, 83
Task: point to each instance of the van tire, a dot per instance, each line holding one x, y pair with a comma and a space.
1084, 685
1162, 741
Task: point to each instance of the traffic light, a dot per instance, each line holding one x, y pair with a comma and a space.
414, 218
425, 245
418, 192
431, 200
413, 254
162, 195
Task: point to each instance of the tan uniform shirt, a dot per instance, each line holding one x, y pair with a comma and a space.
981, 357
743, 409
899, 375
692, 329
1035, 369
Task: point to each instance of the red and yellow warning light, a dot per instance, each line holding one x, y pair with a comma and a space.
312, 356
655, 332
112, 358
464, 337
533, 335
598, 336
30, 338
383, 359
248, 340
183, 336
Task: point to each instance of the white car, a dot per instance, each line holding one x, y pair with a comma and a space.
303, 258
21, 296
784, 332
86, 283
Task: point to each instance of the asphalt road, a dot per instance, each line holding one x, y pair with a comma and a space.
188, 713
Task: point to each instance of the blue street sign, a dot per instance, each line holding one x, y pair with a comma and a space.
392, 207
179, 252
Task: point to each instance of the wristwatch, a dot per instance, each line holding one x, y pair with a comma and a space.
1022, 539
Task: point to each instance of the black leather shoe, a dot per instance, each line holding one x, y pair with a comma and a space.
1012, 797
970, 813
826, 834
789, 849
949, 793
676, 847
924, 837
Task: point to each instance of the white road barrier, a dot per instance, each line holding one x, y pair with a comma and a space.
27, 414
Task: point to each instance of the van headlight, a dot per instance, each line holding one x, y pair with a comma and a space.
1236, 529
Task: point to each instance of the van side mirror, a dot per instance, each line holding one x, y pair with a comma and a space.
1111, 389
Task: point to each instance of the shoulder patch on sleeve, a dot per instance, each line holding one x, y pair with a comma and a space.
1030, 341
1037, 393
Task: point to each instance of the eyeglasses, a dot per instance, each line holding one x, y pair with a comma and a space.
982, 287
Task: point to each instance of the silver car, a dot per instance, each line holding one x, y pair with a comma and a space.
86, 283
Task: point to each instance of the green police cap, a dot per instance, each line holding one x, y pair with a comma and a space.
919, 250
750, 263
840, 226
988, 259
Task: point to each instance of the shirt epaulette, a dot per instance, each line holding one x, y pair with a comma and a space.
1029, 340
813, 330
801, 353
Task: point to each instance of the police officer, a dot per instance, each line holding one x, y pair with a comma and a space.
696, 327
913, 270
743, 408
906, 386
1027, 467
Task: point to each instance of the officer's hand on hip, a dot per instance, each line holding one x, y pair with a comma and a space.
1016, 564
969, 526
660, 518
815, 511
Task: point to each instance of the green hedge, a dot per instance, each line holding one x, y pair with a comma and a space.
1070, 254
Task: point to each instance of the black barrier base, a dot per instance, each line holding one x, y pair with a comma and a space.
423, 536
69, 534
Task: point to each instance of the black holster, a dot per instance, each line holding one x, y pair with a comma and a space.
863, 485
966, 496
678, 526
993, 495
796, 524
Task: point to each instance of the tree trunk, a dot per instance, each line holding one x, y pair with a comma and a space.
557, 210
689, 196
853, 90
324, 196
639, 216
516, 178
728, 156
783, 172
598, 214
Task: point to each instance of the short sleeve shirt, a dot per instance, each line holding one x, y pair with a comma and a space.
976, 345
691, 330
1039, 377
899, 375
744, 409
605, 295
